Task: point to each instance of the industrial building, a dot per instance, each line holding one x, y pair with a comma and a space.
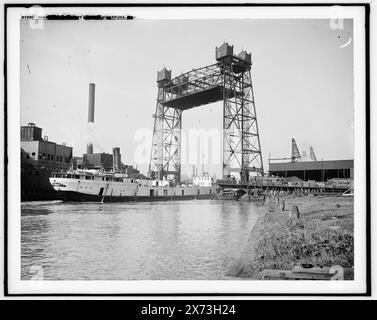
39, 158
98, 160
313, 170
40, 152
104, 161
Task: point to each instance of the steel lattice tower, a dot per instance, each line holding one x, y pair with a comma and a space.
228, 80
166, 145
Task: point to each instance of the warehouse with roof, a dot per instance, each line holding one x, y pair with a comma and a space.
313, 170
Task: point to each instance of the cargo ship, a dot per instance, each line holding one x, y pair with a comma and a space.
101, 186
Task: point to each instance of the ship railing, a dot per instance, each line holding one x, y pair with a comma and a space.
65, 175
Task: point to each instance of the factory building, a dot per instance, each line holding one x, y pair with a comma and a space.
313, 170
104, 161
39, 158
98, 161
40, 152
203, 180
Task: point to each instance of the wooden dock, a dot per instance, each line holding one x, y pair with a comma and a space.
315, 273
315, 190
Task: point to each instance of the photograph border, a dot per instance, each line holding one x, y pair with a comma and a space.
180, 5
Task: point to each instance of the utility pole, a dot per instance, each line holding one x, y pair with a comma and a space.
322, 174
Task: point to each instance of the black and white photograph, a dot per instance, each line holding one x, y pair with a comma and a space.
187, 149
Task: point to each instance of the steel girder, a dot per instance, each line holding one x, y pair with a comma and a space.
226, 81
241, 145
165, 162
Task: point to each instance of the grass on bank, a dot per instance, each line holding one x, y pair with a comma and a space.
324, 239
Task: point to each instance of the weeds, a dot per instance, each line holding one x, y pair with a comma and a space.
283, 243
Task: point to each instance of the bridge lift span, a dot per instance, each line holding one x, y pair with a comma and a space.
229, 80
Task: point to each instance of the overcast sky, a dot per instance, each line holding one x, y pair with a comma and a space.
302, 75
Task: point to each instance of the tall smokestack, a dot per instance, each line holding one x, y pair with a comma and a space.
116, 159
92, 89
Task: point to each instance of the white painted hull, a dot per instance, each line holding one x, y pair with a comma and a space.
105, 191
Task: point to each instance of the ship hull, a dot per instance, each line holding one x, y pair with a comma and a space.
35, 185
100, 188
82, 197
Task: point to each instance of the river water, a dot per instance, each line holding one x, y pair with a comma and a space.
174, 240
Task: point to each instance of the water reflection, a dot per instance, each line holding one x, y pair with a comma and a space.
169, 240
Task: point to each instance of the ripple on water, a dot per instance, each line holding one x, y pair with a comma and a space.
161, 240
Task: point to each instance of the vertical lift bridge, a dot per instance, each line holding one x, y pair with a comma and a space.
229, 80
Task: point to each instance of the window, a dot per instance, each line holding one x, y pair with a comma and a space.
33, 154
48, 157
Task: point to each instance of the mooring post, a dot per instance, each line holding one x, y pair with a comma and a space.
295, 213
266, 207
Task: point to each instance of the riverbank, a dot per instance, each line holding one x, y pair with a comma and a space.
321, 236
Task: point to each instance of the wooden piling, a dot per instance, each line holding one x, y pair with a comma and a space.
295, 213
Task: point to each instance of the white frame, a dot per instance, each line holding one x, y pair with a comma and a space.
357, 286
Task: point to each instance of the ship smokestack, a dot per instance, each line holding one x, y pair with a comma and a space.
92, 89
116, 159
